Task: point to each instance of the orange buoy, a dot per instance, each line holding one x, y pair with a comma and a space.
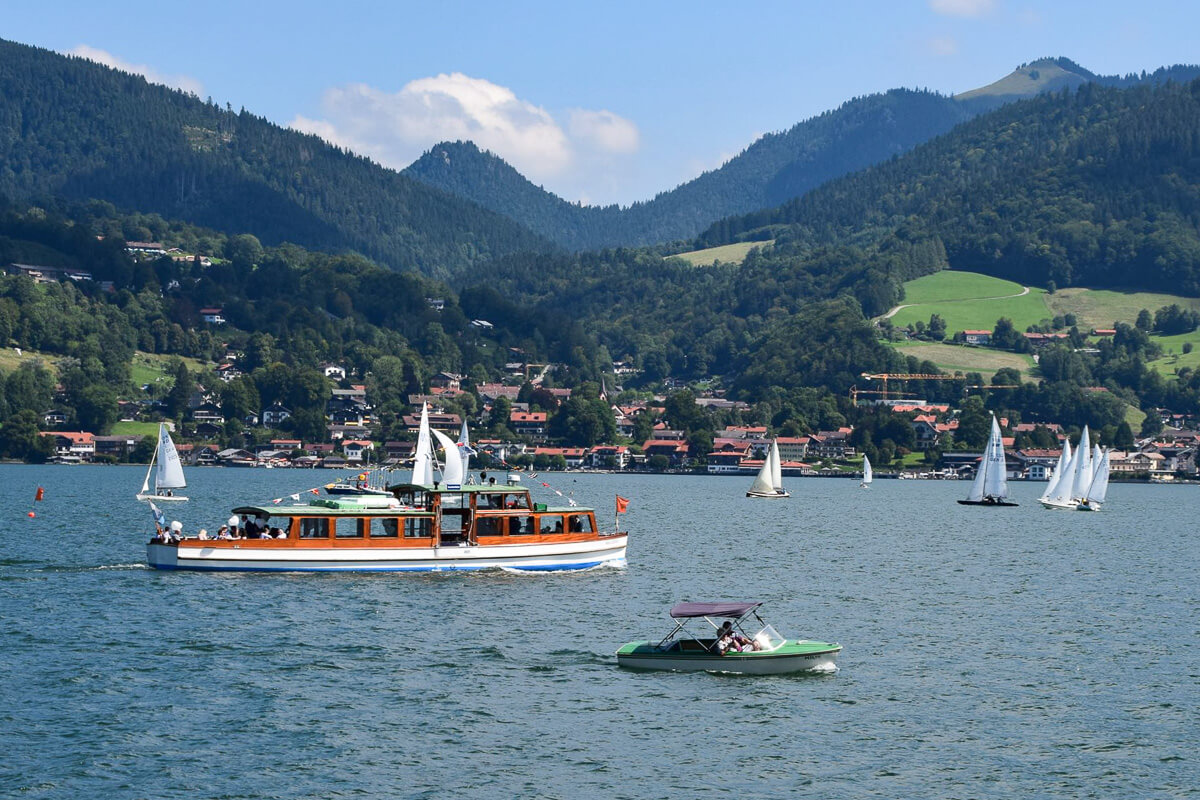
32, 514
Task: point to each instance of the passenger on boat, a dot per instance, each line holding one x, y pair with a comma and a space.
249, 528
233, 527
730, 640
223, 532
276, 533
203, 534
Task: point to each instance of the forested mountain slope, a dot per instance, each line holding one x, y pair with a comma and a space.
1098, 187
774, 169
71, 128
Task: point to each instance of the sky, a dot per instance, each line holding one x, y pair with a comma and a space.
599, 103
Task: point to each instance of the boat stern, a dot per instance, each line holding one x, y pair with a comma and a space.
162, 556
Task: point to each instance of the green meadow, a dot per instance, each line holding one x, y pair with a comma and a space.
969, 301
958, 358
725, 254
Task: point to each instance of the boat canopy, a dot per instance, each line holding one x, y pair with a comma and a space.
732, 610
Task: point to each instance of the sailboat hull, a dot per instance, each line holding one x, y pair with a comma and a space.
162, 498
986, 503
768, 495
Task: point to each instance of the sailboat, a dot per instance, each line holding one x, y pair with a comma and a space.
1098, 491
170, 471
1083, 469
422, 472
1060, 470
769, 481
1064, 493
866, 479
990, 487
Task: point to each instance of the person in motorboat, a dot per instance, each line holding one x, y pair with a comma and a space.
224, 533
729, 639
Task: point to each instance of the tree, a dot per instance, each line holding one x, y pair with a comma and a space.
974, 424
20, 438
181, 391
1144, 321
937, 328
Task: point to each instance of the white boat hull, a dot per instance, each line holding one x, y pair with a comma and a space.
745, 663
768, 495
162, 498
1068, 505
285, 557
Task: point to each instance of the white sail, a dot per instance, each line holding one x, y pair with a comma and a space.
1083, 467
1064, 461
995, 483
776, 467
1099, 488
170, 470
867, 475
464, 448
149, 469
762, 482
422, 473
452, 471
1061, 496
976, 493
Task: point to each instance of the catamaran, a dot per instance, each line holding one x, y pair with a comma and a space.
990, 487
169, 476
769, 481
728, 647
867, 475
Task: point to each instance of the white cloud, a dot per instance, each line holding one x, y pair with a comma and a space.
943, 46
182, 82
962, 8
394, 128
604, 130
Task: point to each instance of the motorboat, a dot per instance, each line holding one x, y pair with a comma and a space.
698, 642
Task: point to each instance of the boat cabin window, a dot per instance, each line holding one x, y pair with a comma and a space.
515, 501
314, 528
418, 527
413, 498
277, 524
490, 526
579, 523
489, 500
521, 526
347, 528
550, 523
383, 527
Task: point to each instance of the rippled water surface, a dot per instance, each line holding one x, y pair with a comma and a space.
989, 653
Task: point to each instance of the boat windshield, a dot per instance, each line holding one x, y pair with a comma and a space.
768, 639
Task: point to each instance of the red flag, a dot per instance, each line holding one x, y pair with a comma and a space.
315, 491
622, 504
40, 494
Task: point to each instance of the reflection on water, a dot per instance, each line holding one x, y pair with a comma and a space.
988, 652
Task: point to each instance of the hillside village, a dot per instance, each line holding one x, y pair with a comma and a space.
352, 439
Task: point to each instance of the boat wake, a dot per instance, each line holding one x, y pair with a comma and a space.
98, 567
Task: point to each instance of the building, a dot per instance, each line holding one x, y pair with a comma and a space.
275, 415
357, 450
977, 337
73, 445
608, 456
528, 423
212, 315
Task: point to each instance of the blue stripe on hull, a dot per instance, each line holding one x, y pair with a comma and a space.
359, 568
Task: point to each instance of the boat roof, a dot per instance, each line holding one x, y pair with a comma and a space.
732, 610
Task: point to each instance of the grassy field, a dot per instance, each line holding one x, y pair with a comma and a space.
726, 254
958, 358
1175, 359
1101, 308
135, 429
152, 368
969, 301
9, 360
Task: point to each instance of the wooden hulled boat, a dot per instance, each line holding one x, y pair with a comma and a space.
763, 653
415, 528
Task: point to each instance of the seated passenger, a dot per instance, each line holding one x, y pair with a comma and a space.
277, 533
730, 640
223, 532
203, 534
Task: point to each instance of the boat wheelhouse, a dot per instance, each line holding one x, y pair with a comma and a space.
415, 528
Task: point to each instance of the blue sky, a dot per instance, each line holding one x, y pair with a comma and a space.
599, 103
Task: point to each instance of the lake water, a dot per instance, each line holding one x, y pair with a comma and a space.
989, 652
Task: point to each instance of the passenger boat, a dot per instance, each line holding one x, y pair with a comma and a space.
415, 528
767, 653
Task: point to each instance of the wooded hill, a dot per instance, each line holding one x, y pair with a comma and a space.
774, 169
74, 129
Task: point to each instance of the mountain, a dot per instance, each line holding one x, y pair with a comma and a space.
74, 129
1094, 187
774, 169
